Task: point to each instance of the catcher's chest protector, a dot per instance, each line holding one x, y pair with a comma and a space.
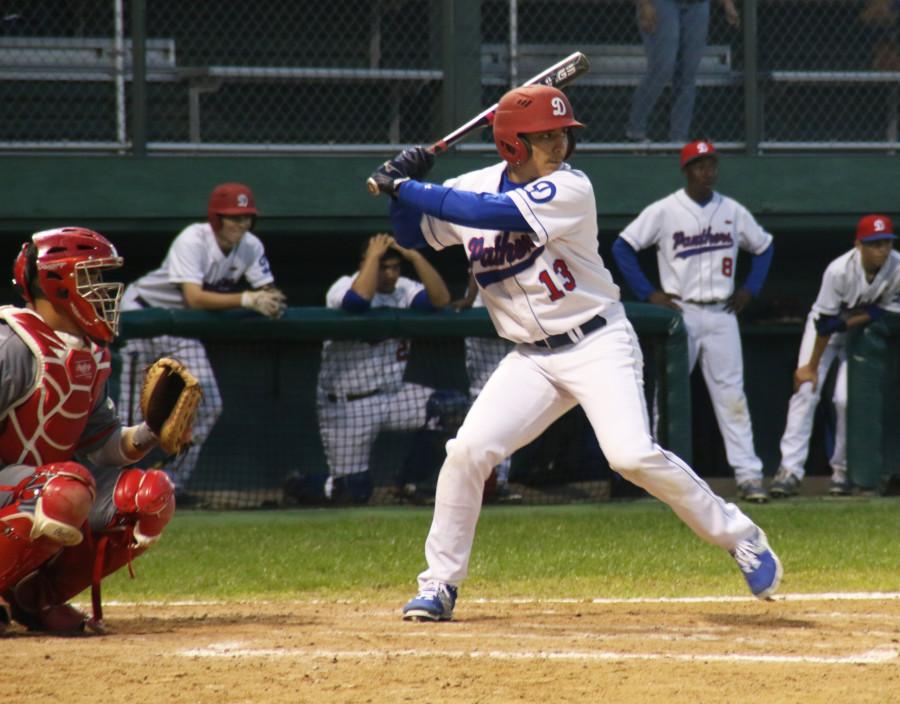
47, 422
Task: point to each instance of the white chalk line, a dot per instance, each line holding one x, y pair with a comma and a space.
236, 650
827, 596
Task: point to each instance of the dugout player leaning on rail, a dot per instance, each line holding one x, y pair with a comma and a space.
697, 233
360, 389
63, 527
203, 269
857, 288
529, 228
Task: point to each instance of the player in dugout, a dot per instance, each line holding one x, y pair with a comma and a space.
697, 233
64, 527
857, 288
205, 268
529, 228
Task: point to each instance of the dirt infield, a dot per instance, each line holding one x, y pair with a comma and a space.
794, 649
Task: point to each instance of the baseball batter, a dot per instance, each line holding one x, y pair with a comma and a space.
63, 527
857, 288
697, 233
361, 389
204, 269
529, 228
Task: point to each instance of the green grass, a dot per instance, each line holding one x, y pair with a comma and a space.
599, 550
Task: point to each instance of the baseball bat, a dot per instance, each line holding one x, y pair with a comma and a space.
558, 75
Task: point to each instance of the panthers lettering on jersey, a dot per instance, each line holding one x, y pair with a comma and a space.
539, 283
46, 424
697, 245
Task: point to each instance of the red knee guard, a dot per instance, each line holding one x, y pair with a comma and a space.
145, 503
48, 512
146, 499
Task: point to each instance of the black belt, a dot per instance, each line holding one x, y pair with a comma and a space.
334, 398
141, 302
563, 339
703, 303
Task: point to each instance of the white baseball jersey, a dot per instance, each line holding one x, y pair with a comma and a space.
354, 367
195, 257
844, 285
540, 283
697, 245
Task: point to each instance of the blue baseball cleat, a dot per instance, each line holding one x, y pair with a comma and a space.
434, 602
760, 565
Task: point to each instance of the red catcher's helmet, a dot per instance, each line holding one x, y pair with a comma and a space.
229, 199
534, 108
69, 263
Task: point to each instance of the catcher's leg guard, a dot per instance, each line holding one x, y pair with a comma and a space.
144, 503
49, 509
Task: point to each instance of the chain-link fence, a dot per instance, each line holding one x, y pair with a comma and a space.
281, 76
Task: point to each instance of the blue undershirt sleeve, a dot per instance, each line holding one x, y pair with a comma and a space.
422, 302
627, 260
354, 303
759, 270
488, 211
406, 220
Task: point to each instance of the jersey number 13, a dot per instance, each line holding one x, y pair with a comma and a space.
568, 281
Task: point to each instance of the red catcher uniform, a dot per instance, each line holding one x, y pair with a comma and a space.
54, 408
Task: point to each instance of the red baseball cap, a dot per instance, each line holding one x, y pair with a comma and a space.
696, 150
875, 227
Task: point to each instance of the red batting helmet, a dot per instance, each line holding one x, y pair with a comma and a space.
230, 199
534, 108
69, 264
696, 150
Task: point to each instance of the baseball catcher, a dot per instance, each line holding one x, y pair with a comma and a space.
63, 526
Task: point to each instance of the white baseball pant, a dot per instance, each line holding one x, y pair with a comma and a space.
715, 340
802, 406
531, 388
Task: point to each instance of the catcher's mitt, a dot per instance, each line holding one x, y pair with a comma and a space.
169, 400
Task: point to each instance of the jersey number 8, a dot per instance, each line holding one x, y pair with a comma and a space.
727, 266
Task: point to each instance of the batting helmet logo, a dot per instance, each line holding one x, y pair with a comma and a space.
534, 108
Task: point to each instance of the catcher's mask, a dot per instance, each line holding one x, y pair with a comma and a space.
230, 199
67, 265
534, 108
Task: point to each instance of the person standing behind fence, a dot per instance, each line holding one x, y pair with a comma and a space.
204, 268
697, 233
360, 388
674, 33
857, 288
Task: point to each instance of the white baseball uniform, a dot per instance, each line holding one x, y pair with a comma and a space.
193, 257
844, 286
696, 251
552, 282
361, 389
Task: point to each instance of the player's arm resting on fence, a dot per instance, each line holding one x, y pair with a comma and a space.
435, 288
